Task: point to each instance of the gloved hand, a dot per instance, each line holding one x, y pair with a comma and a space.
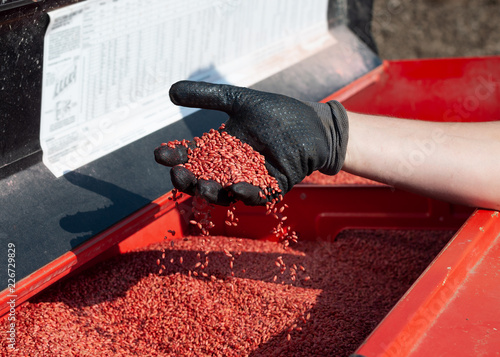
295, 137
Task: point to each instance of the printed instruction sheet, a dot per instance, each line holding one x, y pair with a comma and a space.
108, 64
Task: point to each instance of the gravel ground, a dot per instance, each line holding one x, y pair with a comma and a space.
436, 28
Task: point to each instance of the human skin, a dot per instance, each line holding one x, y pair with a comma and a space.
452, 161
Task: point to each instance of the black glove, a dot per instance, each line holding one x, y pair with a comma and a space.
295, 137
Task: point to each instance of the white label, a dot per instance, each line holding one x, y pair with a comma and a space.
109, 64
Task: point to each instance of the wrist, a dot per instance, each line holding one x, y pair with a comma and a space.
337, 130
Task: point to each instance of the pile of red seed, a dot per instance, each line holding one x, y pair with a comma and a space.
123, 307
342, 178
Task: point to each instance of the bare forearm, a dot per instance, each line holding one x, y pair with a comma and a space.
457, 162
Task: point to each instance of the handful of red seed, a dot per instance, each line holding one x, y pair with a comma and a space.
223, 158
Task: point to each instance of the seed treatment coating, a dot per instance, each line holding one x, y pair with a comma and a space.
227, 160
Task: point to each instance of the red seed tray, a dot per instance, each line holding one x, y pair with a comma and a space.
333, 299
452, 307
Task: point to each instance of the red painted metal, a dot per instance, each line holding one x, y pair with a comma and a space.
321, 212
452, 308
452, 89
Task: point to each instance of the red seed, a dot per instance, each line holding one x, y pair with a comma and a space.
183, 311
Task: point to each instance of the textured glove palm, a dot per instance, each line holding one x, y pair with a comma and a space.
295, 137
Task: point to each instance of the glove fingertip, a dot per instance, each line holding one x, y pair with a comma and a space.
183, 180
203, 95
171, 156
249, 194
213, 192
178, 91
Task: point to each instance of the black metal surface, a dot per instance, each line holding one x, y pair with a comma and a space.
21, 52
46, 217
12, 4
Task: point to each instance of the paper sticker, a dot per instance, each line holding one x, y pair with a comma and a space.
108, 65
